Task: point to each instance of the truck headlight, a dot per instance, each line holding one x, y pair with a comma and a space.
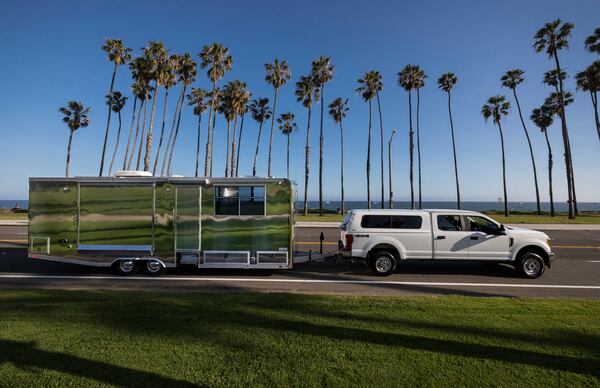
549, 242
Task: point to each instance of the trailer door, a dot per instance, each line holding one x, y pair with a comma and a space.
116, 218
187, 219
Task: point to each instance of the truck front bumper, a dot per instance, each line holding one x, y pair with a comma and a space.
551, 258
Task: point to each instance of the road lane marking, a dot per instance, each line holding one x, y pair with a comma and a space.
302, 281
593, 261
576, 246
14, 241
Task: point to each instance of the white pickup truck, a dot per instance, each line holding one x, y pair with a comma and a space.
383, 237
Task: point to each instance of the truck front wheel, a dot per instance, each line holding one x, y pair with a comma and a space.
531, 265
382, 263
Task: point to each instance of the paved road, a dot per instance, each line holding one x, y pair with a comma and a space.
575, 273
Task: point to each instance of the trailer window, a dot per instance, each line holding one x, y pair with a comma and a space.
239, 200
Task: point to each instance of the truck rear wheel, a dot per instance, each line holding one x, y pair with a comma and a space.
531, 265
382, 263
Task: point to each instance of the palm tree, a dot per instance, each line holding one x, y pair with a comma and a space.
592, 42
287, 126
219, 61
376, 81
117, 102
407, 80
366, 89
511, 79
321, 72
589, 81
227, 109
141, 70
419, 82
496, 107
552, 38
138, 93
118, 54
542, 118
75, 116
260, 113
553, 77
167, 80
337, 111
391, 199
307, 91
186, 74
243, 110
276, 74
446, 82
239, 100
197, 99
157, 55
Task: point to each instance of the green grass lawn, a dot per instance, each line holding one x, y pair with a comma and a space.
7, 214
514, 218
83, 338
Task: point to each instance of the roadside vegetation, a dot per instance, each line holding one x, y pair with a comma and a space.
88, 338
154, 70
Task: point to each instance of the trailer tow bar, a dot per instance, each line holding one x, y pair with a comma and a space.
321, 238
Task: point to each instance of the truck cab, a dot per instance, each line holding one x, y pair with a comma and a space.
383, 237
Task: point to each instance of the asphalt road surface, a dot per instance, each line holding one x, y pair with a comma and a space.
575, 273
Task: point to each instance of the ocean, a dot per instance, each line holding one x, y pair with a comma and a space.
476, 206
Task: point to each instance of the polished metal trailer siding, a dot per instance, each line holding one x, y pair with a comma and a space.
219, 223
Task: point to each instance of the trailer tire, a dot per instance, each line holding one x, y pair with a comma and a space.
125, 267
382, 263
153, 267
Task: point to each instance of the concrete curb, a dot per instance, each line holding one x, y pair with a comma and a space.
14, 222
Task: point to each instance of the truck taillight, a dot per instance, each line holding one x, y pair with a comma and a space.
349, 241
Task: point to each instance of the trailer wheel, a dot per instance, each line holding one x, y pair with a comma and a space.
126, 267
153, 268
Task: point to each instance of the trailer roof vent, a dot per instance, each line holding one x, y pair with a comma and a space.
132, 173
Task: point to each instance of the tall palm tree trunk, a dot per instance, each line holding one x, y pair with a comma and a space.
369, 156
594, 96
239, 146
227, 154
537, 190
566, 144
550, 162
178, 107
381, 151
307, 162
271, 135
233, 144
288, 156
260, 127
342, 207
503, 170
162, 133
198, 145
419, 148
135, 100
454, 153
411, 148
207, 155
148, 155
127, 163
391, 193
112, 83
112, 160
176, 132
321, 139
68, 154
212, 142
139, 158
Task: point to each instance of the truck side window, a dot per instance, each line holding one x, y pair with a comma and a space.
391, 222
376, 222
239, 200
449, 223
407, 222
480, 224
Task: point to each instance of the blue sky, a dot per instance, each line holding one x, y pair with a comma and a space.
51, 54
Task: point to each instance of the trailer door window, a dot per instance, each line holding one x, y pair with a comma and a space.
239, 200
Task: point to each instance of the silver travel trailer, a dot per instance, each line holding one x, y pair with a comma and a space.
151, 223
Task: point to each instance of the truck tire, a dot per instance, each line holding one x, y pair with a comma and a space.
382, 263
531, 265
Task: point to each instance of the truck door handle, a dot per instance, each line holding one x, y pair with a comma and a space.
440, 238
474, 238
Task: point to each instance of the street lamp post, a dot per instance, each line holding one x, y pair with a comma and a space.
391, 204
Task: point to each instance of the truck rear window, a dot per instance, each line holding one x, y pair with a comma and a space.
391, 222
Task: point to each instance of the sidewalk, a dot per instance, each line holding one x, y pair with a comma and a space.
13, 222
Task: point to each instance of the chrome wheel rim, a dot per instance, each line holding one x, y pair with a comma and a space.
531, 266
126, 266
153, 266
383, 264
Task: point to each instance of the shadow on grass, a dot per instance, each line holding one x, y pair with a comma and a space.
26, 355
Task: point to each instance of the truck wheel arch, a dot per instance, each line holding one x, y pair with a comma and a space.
385, 247
533, 249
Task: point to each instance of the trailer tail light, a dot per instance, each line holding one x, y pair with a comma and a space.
349, 241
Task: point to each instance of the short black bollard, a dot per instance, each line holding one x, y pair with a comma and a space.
321, 238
